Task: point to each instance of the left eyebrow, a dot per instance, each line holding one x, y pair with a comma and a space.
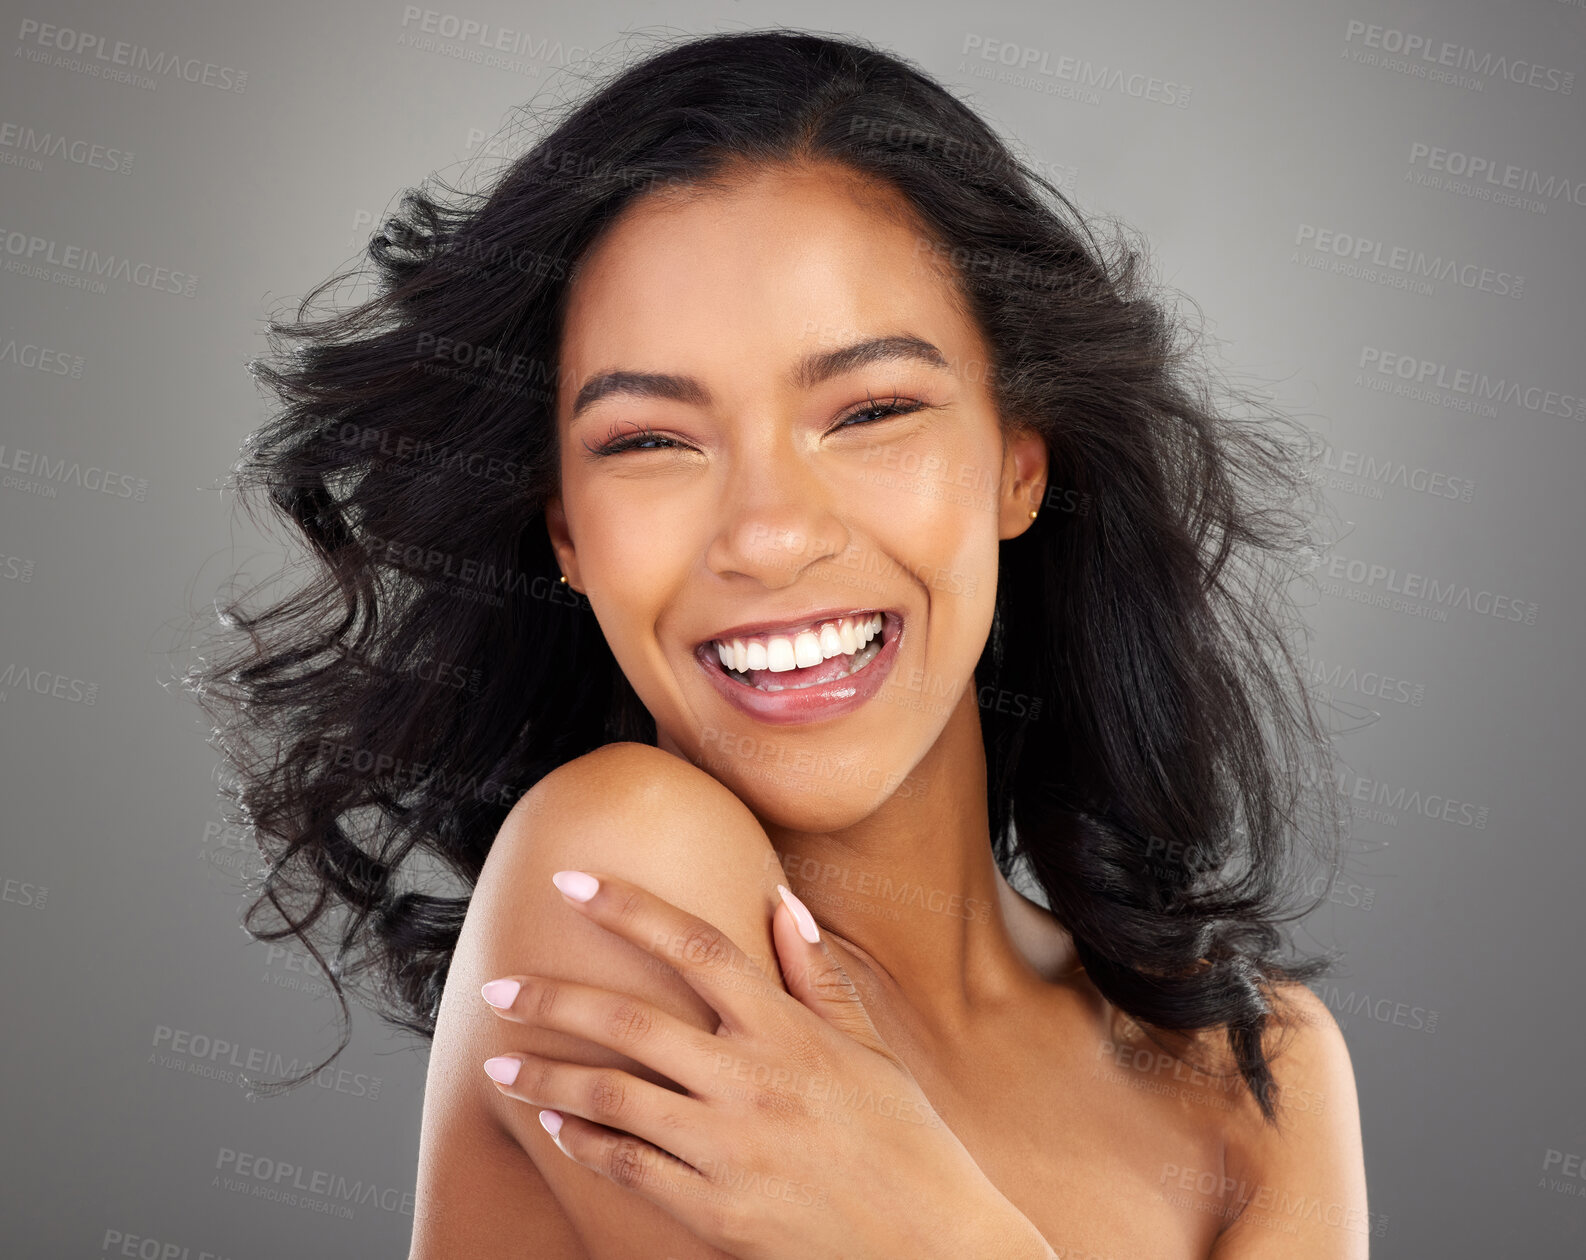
819, 367
812, 370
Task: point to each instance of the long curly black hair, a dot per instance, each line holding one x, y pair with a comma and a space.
383, 714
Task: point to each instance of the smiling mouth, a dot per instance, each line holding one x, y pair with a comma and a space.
831, 651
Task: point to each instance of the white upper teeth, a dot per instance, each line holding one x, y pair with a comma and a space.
780, 652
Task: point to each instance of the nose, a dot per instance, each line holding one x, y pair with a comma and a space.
779, 517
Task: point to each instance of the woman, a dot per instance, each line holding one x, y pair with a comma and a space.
769, 493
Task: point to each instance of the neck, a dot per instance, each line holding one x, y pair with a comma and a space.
914, 886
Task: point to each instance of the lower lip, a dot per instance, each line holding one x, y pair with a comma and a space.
814, 703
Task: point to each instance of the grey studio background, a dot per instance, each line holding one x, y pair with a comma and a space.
1381, 211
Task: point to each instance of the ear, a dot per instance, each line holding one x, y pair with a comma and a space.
562, 541
1024, 471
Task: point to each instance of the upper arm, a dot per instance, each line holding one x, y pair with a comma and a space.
644, 815
1303, 1184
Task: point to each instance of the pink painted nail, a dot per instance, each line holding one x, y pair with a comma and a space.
576, 884
552, 1120
500, 993
503, 1068
801, 916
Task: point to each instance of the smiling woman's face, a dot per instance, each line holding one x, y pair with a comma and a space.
784, 483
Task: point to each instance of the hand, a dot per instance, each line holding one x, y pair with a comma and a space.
800, 1133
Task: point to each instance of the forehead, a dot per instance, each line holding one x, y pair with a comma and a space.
775, 263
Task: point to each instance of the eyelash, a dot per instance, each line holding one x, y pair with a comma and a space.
643, 433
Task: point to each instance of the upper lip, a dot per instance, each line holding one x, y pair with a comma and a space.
760, 629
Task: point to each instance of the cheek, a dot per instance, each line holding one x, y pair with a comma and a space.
627, 533
937, 503
935, 517
952, 556
633, 563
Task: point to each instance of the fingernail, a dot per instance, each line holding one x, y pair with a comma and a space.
503, 1068
576, 884
801, 916
500, 993
552, 1120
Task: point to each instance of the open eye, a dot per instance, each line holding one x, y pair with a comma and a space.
873, 411
640, 437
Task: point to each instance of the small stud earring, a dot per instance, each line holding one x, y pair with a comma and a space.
1032, 514
564, 577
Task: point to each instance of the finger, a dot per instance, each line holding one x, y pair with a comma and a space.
667, 1120
631, 1163
642, 1031
815, 976
730, 982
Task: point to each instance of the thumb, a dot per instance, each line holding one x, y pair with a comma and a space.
815, 977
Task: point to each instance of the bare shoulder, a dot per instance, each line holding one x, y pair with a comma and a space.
1299, 1185
637, 813
652, 812
641, 814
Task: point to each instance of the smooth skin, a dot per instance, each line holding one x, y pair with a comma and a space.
765, 494
796, 1088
